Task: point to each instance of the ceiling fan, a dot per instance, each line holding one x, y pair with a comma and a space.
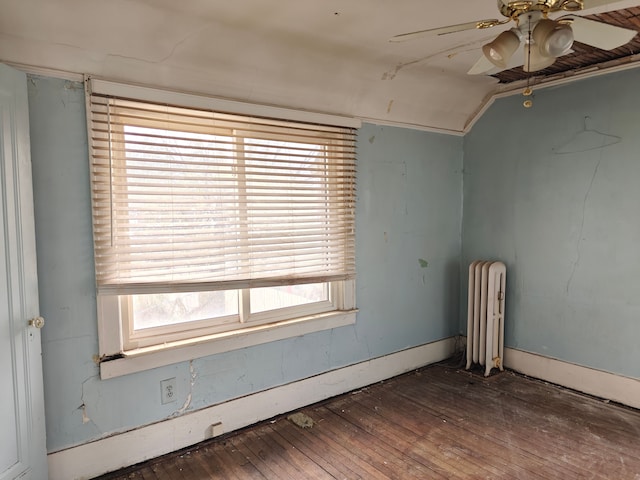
544, 39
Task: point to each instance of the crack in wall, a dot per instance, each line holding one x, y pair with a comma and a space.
449, 52
584, 209
166, 57
83, 406
181, 42
192, 381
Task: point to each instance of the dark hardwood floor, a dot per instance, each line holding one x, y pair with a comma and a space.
435, 423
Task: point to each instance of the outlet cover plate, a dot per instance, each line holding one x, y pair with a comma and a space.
168, 390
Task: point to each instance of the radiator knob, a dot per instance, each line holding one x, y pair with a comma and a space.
37, 322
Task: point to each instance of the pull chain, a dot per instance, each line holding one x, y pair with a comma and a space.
528, 103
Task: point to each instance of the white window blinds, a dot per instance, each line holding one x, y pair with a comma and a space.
186, 199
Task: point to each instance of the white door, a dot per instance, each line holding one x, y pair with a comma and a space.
22, 440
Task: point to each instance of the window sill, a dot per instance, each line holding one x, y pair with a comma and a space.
157, 356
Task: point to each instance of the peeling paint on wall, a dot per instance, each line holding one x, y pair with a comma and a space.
85, 417
192, 382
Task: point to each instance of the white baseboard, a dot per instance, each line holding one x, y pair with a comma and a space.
117, 451
602, 384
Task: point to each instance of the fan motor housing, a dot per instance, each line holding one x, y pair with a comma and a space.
515, 9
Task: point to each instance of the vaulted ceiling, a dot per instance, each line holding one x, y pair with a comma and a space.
329, 56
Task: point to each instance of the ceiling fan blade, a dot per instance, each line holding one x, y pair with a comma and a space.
482, 66
596, 3
446, 30
598, 34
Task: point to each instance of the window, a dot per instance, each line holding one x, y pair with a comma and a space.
209, 224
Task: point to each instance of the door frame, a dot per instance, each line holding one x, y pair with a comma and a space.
16, 200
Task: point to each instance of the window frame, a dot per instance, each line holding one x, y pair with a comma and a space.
119, 307
145, 358
133, 339
124, 350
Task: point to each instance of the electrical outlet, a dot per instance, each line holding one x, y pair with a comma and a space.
168, 390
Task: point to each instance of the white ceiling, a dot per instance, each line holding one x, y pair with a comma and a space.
321, 55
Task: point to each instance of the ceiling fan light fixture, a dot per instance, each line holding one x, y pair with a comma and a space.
554, 39
534, 60
500, 50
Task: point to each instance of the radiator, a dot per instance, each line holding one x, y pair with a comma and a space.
485, 315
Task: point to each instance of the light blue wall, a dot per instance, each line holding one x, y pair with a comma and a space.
561, 208
409, 208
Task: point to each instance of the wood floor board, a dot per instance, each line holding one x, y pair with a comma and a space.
432, 437
291, 460
586, 411
550, 433
385, 458
445, 432
512, 446
439, 422
210, 465
233, 464
557, 436
334, 463
148, 473
269, 467
612, 429
298, 455
170, 471
412, 442
190, 469
345, 443
512, 426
